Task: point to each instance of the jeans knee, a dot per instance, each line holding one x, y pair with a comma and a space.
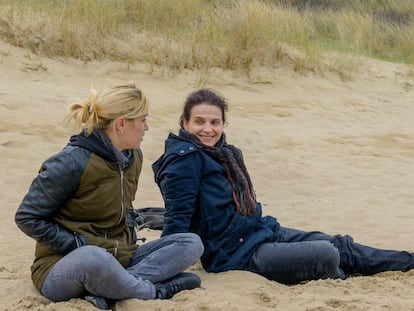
329, 252
93, 257
329, 259
342, 241
188, 240
197, 247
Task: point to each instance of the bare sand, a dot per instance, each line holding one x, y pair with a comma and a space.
324, 154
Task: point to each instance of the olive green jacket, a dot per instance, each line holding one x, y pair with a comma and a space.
81, 196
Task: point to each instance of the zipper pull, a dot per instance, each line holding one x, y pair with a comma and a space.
77, 239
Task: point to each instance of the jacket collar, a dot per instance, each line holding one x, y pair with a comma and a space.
100, 144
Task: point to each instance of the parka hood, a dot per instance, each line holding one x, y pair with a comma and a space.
98, 143
173, 145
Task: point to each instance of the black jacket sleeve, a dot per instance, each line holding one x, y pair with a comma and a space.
57, 180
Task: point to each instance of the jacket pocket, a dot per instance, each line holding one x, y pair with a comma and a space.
236, 232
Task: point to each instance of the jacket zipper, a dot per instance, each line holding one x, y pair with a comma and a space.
121, 173
78, 244
116, 248
122, 195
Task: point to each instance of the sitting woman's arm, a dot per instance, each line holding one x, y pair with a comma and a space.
179, 180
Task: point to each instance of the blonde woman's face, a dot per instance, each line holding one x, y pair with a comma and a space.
206, 122
134, 131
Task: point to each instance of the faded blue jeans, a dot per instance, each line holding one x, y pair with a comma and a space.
91, 270
301, 256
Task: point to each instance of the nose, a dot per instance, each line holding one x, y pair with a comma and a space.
208, 128
146, 126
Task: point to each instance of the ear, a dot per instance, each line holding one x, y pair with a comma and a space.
119, 125
185, 124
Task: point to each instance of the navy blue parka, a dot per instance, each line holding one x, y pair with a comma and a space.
198, 198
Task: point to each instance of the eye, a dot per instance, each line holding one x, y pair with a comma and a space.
199, 122
216, 122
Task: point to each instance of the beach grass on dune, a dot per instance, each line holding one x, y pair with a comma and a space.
228, 34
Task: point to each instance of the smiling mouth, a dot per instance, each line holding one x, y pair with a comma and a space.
206, 139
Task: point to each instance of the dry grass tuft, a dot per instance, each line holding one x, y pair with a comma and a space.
306, 35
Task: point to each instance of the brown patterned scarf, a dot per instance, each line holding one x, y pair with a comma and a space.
232, 159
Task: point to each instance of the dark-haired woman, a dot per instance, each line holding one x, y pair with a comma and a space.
207, 190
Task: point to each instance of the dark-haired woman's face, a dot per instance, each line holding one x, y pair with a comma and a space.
205, 122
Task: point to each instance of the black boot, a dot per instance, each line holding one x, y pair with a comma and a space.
182, 281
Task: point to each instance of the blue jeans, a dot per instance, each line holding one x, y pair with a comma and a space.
91, 270
301, 256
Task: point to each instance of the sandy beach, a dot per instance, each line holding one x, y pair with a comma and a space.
324, 154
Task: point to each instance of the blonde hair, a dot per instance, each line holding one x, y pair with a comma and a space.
105, 105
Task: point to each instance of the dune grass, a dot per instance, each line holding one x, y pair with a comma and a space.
232, 35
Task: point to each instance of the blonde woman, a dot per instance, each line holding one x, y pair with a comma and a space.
78, 211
